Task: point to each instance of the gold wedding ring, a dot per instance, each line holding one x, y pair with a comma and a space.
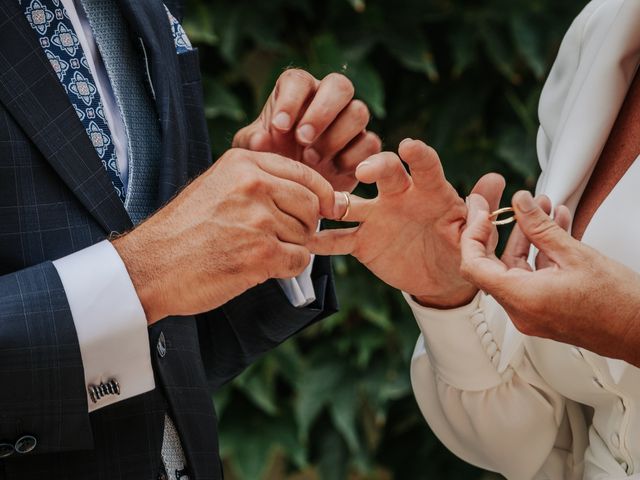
494, 216
347, 198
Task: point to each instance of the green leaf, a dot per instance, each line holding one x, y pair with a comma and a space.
413, 51
463, 50
499, 53
343, 410
369, 87
199, 26
259, 387
519, 154
314, 392
527, 40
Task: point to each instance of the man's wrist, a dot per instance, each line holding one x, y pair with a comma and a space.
145, 279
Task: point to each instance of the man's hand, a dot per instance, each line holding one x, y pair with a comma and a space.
575, 295
315, 122
409, 236
245, 220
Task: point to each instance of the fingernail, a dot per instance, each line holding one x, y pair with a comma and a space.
340, 205
307, 133
311, 156
524, 201
282, 121
406, 140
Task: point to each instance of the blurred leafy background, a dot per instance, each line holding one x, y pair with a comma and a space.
335, 403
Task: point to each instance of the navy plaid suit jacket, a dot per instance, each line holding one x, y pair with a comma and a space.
55, 199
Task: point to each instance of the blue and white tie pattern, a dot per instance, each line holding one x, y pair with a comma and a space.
57, 37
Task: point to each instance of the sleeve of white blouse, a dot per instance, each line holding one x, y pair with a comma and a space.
506, 421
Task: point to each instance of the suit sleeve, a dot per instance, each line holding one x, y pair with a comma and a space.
41, 373
250, 325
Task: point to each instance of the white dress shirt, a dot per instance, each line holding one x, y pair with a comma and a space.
526, 407
109, 319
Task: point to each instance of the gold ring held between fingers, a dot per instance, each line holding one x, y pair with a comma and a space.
347, 198
494, 216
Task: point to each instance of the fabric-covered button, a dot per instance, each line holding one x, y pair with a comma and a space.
26, 444
492, 349
482, 328
162, 345
6, 450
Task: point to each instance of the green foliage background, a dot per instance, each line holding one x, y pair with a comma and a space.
336, 402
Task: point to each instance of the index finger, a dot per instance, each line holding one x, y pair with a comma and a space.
293, 90
386, 170
288, 169
424, 164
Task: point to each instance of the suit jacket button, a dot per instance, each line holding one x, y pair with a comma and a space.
6, 450
26, 444
162, 345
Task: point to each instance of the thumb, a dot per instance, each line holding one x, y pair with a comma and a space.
540, 229
478, 227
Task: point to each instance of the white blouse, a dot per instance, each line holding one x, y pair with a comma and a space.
525, 407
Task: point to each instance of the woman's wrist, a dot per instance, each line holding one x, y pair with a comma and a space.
454, 299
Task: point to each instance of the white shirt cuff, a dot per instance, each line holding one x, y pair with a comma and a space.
110, 322
299, 290
460, 345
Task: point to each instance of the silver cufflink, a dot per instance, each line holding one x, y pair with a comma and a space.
111, 387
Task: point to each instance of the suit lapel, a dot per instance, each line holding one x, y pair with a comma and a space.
33, 95
149, 22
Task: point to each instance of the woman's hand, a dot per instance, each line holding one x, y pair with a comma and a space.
409, 236
575, 295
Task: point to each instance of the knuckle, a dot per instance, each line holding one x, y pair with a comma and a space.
239, 138
268, 249
304, 173
264, 222
360, 111
341, 83
544, 228
255, 183
375, 143
298, 261
314, 205
238, 154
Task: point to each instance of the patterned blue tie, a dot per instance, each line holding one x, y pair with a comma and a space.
125, 66
61, 45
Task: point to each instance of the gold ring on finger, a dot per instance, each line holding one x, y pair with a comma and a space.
347, 198
494, 216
